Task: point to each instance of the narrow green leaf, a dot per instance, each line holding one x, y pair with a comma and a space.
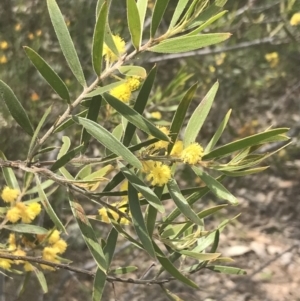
142, 7
199, 115
109, 41
170, 268
26, 228
69, 122
207, 23
48, 74
189, 43
215, 186
182, 203
132, 70
215, 244
218, 133
88, 234
84, 172
15, 108
99, 284
181, 5
171, 296
65, 41
135, 118
44, 186
8, 174
65, 146
92, 114
143, 188
244, 143
151, 212
138, 220
134, 23
244, 172
204, 213
100, 173
125, 234
180, 114
37, 130
108, 140
98, 39
191, 200
123, 270
41, 279
158, 12
140, 104
47, 205
200, 256
226, 270
110, 246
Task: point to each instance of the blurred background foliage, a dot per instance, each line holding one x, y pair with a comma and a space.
258, 69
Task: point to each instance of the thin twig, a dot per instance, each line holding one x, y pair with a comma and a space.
83, 271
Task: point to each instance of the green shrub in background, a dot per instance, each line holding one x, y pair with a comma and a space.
138, 160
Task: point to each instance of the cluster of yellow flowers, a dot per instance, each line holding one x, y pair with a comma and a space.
51, 243
20, 245
272, 58
159, 173
123, 91
19, 210
55, 245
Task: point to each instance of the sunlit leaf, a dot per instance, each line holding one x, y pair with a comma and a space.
134, 23
135, 118
158, 12
108, 140
215, 186
99, 284
218, 133
189, 43
38, 128
199, 115
98, 39
244, 143
182, 203
138, 220
8, 174
181, 5
226, 270
143, 188
41, 279
47, 205
65, 41
26, 228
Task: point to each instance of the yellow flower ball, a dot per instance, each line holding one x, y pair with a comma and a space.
295, 20
54, 237
192, 154
9, 195
5, 263
122, 92
61, 246
13, 214
159, 175
107, 52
